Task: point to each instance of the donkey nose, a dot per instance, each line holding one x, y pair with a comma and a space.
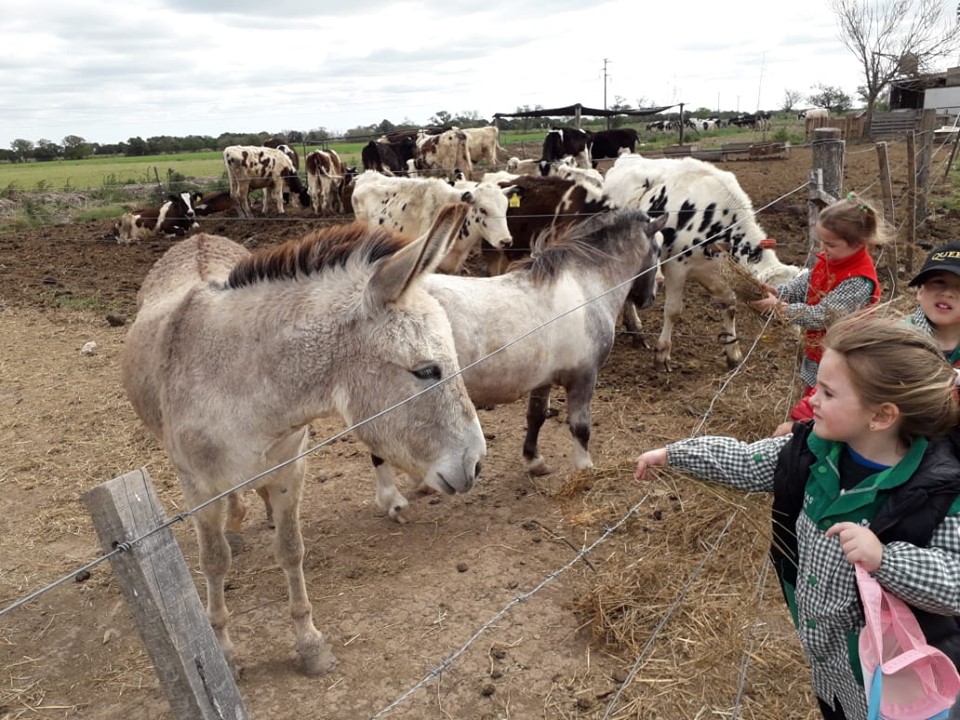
476, 469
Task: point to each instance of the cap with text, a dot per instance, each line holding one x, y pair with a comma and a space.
942, 259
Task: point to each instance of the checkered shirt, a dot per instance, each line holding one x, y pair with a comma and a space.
827, 598
848, 296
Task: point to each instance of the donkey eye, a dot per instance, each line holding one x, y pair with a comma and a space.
429, 372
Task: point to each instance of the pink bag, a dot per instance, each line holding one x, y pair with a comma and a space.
904, 678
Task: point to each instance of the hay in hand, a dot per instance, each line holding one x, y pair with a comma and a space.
745, 286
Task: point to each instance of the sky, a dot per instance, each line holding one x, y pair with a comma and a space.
109, 71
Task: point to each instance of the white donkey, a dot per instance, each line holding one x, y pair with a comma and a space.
594, 260
233, 354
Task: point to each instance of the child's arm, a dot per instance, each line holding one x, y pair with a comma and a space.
928, 577
747, 466
845, 298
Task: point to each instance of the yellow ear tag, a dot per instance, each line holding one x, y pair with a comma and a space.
514, 200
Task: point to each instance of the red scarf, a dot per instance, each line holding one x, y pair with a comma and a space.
824, 277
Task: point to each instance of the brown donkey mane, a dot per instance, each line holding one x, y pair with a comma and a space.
320, 249
589, 240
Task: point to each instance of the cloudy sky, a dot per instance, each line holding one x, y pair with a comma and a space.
108, 71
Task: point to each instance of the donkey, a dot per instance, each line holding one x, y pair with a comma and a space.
585, 272
232, 355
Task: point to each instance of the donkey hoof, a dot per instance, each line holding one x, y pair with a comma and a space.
319, 661
235, 541
539, 468
401, 514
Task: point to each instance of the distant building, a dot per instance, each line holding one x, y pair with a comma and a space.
933, 91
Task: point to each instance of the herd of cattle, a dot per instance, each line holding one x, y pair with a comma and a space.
510, 210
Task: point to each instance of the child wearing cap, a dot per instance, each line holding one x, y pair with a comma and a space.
938, 300
842, 280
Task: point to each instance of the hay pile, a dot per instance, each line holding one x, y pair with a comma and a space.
686, 626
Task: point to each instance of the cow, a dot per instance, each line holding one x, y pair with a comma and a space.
608, 143
663, 125
388, 157
813, 113
252, 167
541, 204
407, 205
213, 203
175, 218
591, 180
523, 167
560, 142
707, 211
447, 151
325, 180
483, 144
699, 125
286, 149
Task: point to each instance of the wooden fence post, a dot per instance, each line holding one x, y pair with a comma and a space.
163, 600
826, 179
911, 219
928, 123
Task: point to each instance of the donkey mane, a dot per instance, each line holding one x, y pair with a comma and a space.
315, 252
596, 239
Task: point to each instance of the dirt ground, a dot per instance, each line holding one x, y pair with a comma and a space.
677, 600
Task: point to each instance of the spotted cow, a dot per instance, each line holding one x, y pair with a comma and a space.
252, 167
175, 218
447, 151
707, 210
213, 203
326, 177
410, 206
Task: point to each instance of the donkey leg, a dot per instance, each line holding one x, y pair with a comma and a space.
579, 395
536, 415
236, 512
215, 563
389, 498
315, 655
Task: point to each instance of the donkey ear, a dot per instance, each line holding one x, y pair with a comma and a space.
396, 273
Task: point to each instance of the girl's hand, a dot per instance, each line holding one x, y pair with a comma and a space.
769, 304
651, 458
859, 544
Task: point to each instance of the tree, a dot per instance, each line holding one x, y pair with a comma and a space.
893, 38
440, 119
76, 148
46, 150
790, 100
22, 149
832, 98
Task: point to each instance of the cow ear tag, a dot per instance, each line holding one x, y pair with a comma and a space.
514, 200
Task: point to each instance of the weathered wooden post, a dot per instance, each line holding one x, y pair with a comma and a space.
826, 178
886, 187
163, 600
828, 152
928, 123
911, 219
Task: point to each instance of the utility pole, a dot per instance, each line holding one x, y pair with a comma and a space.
605, 61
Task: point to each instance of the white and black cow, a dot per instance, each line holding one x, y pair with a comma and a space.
707, 210
175, 218
561, 142
326, 177
699, 125
284, 147
253, 167
408, 205
389, 156
608, 143
447, 151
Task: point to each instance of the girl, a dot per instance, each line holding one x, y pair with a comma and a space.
842, 280
872, 480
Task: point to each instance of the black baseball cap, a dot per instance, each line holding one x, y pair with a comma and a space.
942, 259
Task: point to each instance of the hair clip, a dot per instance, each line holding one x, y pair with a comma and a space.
861, 207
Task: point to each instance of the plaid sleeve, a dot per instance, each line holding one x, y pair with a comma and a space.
928, 577
747, 466
795, 291
851, 294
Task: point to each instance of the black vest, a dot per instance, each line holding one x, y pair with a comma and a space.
911, 513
